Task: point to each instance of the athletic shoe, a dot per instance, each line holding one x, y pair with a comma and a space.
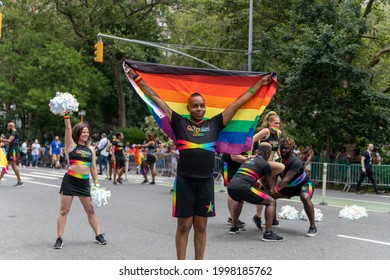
358, 192
100, 239
18, 184
275, 223
59, 243
144, 181
311, 232
234, 230
152, 183
119, 181
270, 236
114, 182
239, 222
257, 222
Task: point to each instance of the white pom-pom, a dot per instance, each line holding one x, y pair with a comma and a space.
63, 103
288, 212
317, 215
99, 195
353, 212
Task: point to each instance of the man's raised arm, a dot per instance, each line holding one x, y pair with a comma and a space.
229, 112
149, 92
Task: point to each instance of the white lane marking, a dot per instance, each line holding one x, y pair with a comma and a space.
43, 184
13, 176
362, 239
59, 175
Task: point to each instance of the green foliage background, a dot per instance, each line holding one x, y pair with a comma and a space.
331, 57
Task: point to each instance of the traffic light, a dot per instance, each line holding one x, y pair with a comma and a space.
98, 52
1, 22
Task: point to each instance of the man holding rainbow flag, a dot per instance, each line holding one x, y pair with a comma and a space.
166, 90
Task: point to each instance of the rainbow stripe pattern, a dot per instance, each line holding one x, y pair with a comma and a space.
77, 175
248, 172
219, 88
258, 192
225, 174
308, 188
185, 145
298, 180
174, 200
79, 162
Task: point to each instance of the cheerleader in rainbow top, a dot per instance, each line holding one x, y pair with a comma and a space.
82, 161
270, 133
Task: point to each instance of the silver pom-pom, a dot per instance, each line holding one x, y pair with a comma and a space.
63, 103
99, 195
353, 212
288, 212
317, 215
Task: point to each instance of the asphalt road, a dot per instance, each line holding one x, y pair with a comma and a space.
138, 225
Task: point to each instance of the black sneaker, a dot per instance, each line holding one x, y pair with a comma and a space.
234, 230
270, 236
59, 243
239, 222
119, 181
275, 223
100, 239
144, 181
18, 184
257, 222
114, 182
311, 232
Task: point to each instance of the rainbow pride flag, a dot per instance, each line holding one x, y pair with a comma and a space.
3, 162
138, 156
219, 88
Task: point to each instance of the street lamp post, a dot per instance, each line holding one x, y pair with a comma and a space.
81, 114
250, 35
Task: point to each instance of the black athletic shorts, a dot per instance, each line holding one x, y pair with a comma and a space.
296, 191
240, 190
119, 161
193, 196
12, 154
150, 159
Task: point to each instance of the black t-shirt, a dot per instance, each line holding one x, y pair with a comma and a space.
367, 159
196, 144
15, 141
118, 147
295, 164
250, 171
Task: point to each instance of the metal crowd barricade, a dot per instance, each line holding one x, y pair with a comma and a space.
349, 174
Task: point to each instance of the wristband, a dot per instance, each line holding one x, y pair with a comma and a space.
66, 117
276, 189
137, 78
251, 91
